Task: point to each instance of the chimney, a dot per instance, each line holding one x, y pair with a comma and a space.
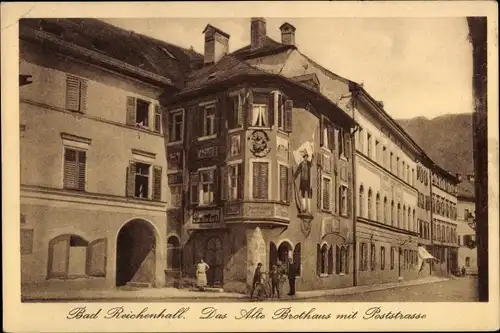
381, 104
257, 32
287, 34
216, 44
459, 177
470, 177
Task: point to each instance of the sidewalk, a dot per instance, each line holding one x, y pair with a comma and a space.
173, 293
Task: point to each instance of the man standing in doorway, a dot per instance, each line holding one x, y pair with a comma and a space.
292, 273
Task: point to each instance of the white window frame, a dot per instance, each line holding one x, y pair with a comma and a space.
150, 117
206, 106
238, 94
278, 175
331, 192
171, 115
239, 164
279, 112
150, 178
269, 181
201, 202
266, 107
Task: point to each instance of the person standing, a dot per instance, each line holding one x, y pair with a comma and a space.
292, 274
201, 274
257, 277
304, 170
274, 274
282, 275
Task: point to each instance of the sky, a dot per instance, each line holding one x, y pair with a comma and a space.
416, 66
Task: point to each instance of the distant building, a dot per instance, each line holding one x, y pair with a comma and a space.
466, 238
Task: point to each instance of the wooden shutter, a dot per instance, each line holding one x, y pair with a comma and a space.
319, 187
72, 93
97, 257
318, 259
224, 171
157, 119
255, 180
239, 111
70, 168
349, 202
289, 192
193, 186
283, 178
337, 259
264, 181
347, 140
271, 109
82, 162
58, 264
330, 260
321, 130
241, 179
248, 107
157, 176
288, 115
131, 179
83, 96
131, 110
331, 138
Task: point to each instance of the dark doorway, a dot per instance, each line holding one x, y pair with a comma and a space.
135, 254
273, 255
214, 257
284, 252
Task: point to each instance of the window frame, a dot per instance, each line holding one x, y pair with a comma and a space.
287, 195
213, 170
171, 115
150, 179
171, 187
209, 106
330, 191
269, 176
77, 150
343, 208
239, 191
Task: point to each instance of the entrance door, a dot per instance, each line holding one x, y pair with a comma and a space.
214, 257
135, 253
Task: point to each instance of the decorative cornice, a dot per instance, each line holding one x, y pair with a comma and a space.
143, 153
75, 138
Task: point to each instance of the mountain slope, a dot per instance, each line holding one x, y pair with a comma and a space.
446, 139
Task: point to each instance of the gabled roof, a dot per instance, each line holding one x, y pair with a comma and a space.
138, 50
270, 46
466, 189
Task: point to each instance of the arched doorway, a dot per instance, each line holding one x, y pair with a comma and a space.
135, 254
214, 257
284, 252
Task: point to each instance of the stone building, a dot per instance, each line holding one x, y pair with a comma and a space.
466, 224
93, 161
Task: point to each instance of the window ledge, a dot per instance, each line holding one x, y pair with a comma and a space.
342, 274
207, 137
236, 129
344, 215
343, 157
328, 150
323, 275
282, 131
171, 143
259, 128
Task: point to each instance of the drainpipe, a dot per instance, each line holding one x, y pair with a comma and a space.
354, 194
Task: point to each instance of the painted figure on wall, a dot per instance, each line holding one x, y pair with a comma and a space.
305, 188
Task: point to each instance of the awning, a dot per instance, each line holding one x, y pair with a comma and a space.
423, 254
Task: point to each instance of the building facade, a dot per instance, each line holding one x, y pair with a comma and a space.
444, 222
424, 219
93, 161
466, 225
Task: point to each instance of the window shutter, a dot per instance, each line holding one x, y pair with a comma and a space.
157, 121
131, 110
288, 115
59, 256
264, 181
255, 180
331, 138
72, 93
239, 121
290, 181
337, 259
241, 178
231, 112
248, 107
330, 260
224, 183
283, 182
83, 96
97, 257
157, 176
318, 259
217, 185
347, 140
319, 189
193, 185
321, 130
349, 202
131, 179
271, 109
82, 162
70, 168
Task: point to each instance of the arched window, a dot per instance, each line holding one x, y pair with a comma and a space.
377, 207
342, 260
398, 217
173, 253
392, 212
405, 221
330, 260
297, 257
373, 259
385, 210
409, 216
361, 201
324, 259
370, 208
438, 233
413, 220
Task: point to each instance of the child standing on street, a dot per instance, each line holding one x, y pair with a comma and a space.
275, 276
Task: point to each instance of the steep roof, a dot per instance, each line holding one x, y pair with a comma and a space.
138, 50
270, 46
466, 189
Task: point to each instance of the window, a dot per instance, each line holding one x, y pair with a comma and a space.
74, 169
260, 180
361, 201
384, 156
377, 207
235, 112
403, 171
369, 145
324, 259
260, 110
281, 112
397, 167
173, 253
343, 200
142, 180
392, 212
361, 140
207, 187
393, 250
413, 176
373, 253
467, 261
176, 126
26, 241
209, 121
398, 216
341, 142
382, 258
364, 257
327, 190
412, 224
391, 166
405, 220
341, 259
176, 195
370, 202
142, 113
76, 94
377, 151
235, 182
386, 213
283, 183
408, 174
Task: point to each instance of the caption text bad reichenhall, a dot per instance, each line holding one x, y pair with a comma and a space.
250, 313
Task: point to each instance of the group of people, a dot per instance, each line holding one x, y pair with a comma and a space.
277, 276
